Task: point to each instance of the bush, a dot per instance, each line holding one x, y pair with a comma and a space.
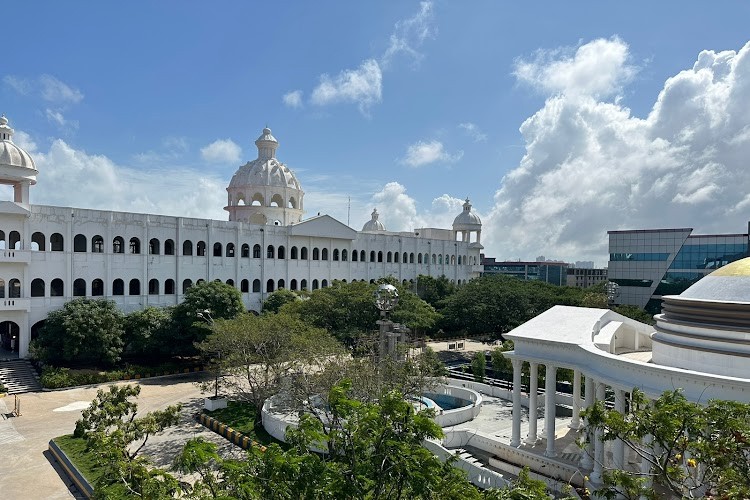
3, 389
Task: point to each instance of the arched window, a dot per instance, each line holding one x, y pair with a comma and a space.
281, 252
293, 285
380, 256
406, 258
453, 260
372, 282
459, 260
303, 285
56, 242
316, 254
37, 288
419, 258
38, 239
56, 288
256, 286
118, 245
97, 288
187, 247
153, 287
293, 253
447, 259
14, 241
135, 245
186, 284
14, 289
362, 256
200, 249
217, 249
388, 257
135, 287
270, 252
395, 257
434, 259
118, 287
324, 283
324, 254
79, 288
168, 247
269, 286
2, 240
440, 258
372, 255
335, 254
303, 253
411, 258
244, 286
79, 243
97, 244
256, 251
354, 255
168, 285
154, 247
344, 255
230, 282
315, 285
280, 284
230, 250
245, 250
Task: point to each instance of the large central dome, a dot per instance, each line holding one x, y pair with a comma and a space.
265, 191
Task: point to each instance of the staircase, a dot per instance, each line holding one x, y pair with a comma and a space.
19, 376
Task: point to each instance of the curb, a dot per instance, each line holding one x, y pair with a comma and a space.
72, 472
231, 435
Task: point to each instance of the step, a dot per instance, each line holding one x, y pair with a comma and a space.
19, 376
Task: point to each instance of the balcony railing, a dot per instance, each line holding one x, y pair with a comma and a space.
15, 256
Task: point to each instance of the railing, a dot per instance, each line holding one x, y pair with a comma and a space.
15, 304
19, 256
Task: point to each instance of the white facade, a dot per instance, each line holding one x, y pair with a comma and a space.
49, 255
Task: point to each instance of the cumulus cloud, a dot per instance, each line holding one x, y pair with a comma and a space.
222, 151
422, 153
591, 166
473, 131
293, 99
362, 86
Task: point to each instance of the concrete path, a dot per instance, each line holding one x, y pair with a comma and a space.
25, 468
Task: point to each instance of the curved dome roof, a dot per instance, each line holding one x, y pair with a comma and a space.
730, 283
467, 217
374, 224
266, 170
10, 154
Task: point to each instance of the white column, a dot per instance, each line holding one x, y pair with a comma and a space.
515, 439
533, 405
596, 474
575, 422
587, 460
618, 447
645, 468
550, 386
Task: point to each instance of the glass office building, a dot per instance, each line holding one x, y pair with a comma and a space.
648, 264
555, 273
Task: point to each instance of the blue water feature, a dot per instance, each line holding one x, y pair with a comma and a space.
447, 402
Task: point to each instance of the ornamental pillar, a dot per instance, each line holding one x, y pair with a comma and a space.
533, 405
550, 386
587, 460
618, 447
575, 422
515, 439
596, 474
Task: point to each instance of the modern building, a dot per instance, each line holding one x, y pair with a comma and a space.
50, 255
648, 264
585, 277
552, 272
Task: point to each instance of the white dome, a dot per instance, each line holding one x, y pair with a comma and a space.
264, 172
374, 224
466, 218
10, 154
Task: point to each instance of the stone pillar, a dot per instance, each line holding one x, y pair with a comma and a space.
533, 405
515, 439
596, 474
550, 386
575, 422
645, 468
618, 447
587, 460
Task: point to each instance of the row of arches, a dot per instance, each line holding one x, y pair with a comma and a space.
258, 200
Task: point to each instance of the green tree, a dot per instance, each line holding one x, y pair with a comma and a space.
434, 290
116, 435
501, 364
84, 331
694, 450
145, 331
414, 312
277, 299
479, 366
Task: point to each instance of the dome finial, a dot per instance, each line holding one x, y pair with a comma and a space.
267, 144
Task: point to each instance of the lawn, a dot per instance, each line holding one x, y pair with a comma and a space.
85, 462
241, 416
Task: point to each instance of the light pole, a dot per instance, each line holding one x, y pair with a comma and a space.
205, 315
386, 299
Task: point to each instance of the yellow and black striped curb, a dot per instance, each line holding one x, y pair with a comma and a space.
71, 471
231, 435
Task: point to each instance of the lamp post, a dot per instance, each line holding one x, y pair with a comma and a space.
386, 299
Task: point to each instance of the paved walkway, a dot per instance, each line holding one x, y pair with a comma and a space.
25, 469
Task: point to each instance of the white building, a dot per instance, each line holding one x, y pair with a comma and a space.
49, 255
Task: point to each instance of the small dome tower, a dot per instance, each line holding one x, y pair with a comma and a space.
373, 224
466, 223
265, 191
16, 166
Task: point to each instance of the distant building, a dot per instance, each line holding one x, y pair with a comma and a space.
648, 264
585, 277
550, 271
586, 264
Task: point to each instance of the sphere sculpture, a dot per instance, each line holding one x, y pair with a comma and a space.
386, 298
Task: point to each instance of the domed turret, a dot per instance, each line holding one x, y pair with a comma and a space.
265, 191
374, 224
17, 168
466, 223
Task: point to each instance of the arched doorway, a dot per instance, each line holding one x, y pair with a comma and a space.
36, 328
10, 335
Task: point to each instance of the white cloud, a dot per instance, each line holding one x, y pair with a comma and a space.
590, 166
56, 117
409, 34
222, 151
293, 99
54, 90
20, 85
473, 131
424, 153
362, 86
599, 68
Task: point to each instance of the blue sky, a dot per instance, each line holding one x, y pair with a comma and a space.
559, 120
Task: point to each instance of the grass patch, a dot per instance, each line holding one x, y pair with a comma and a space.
86, 463
244, 417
